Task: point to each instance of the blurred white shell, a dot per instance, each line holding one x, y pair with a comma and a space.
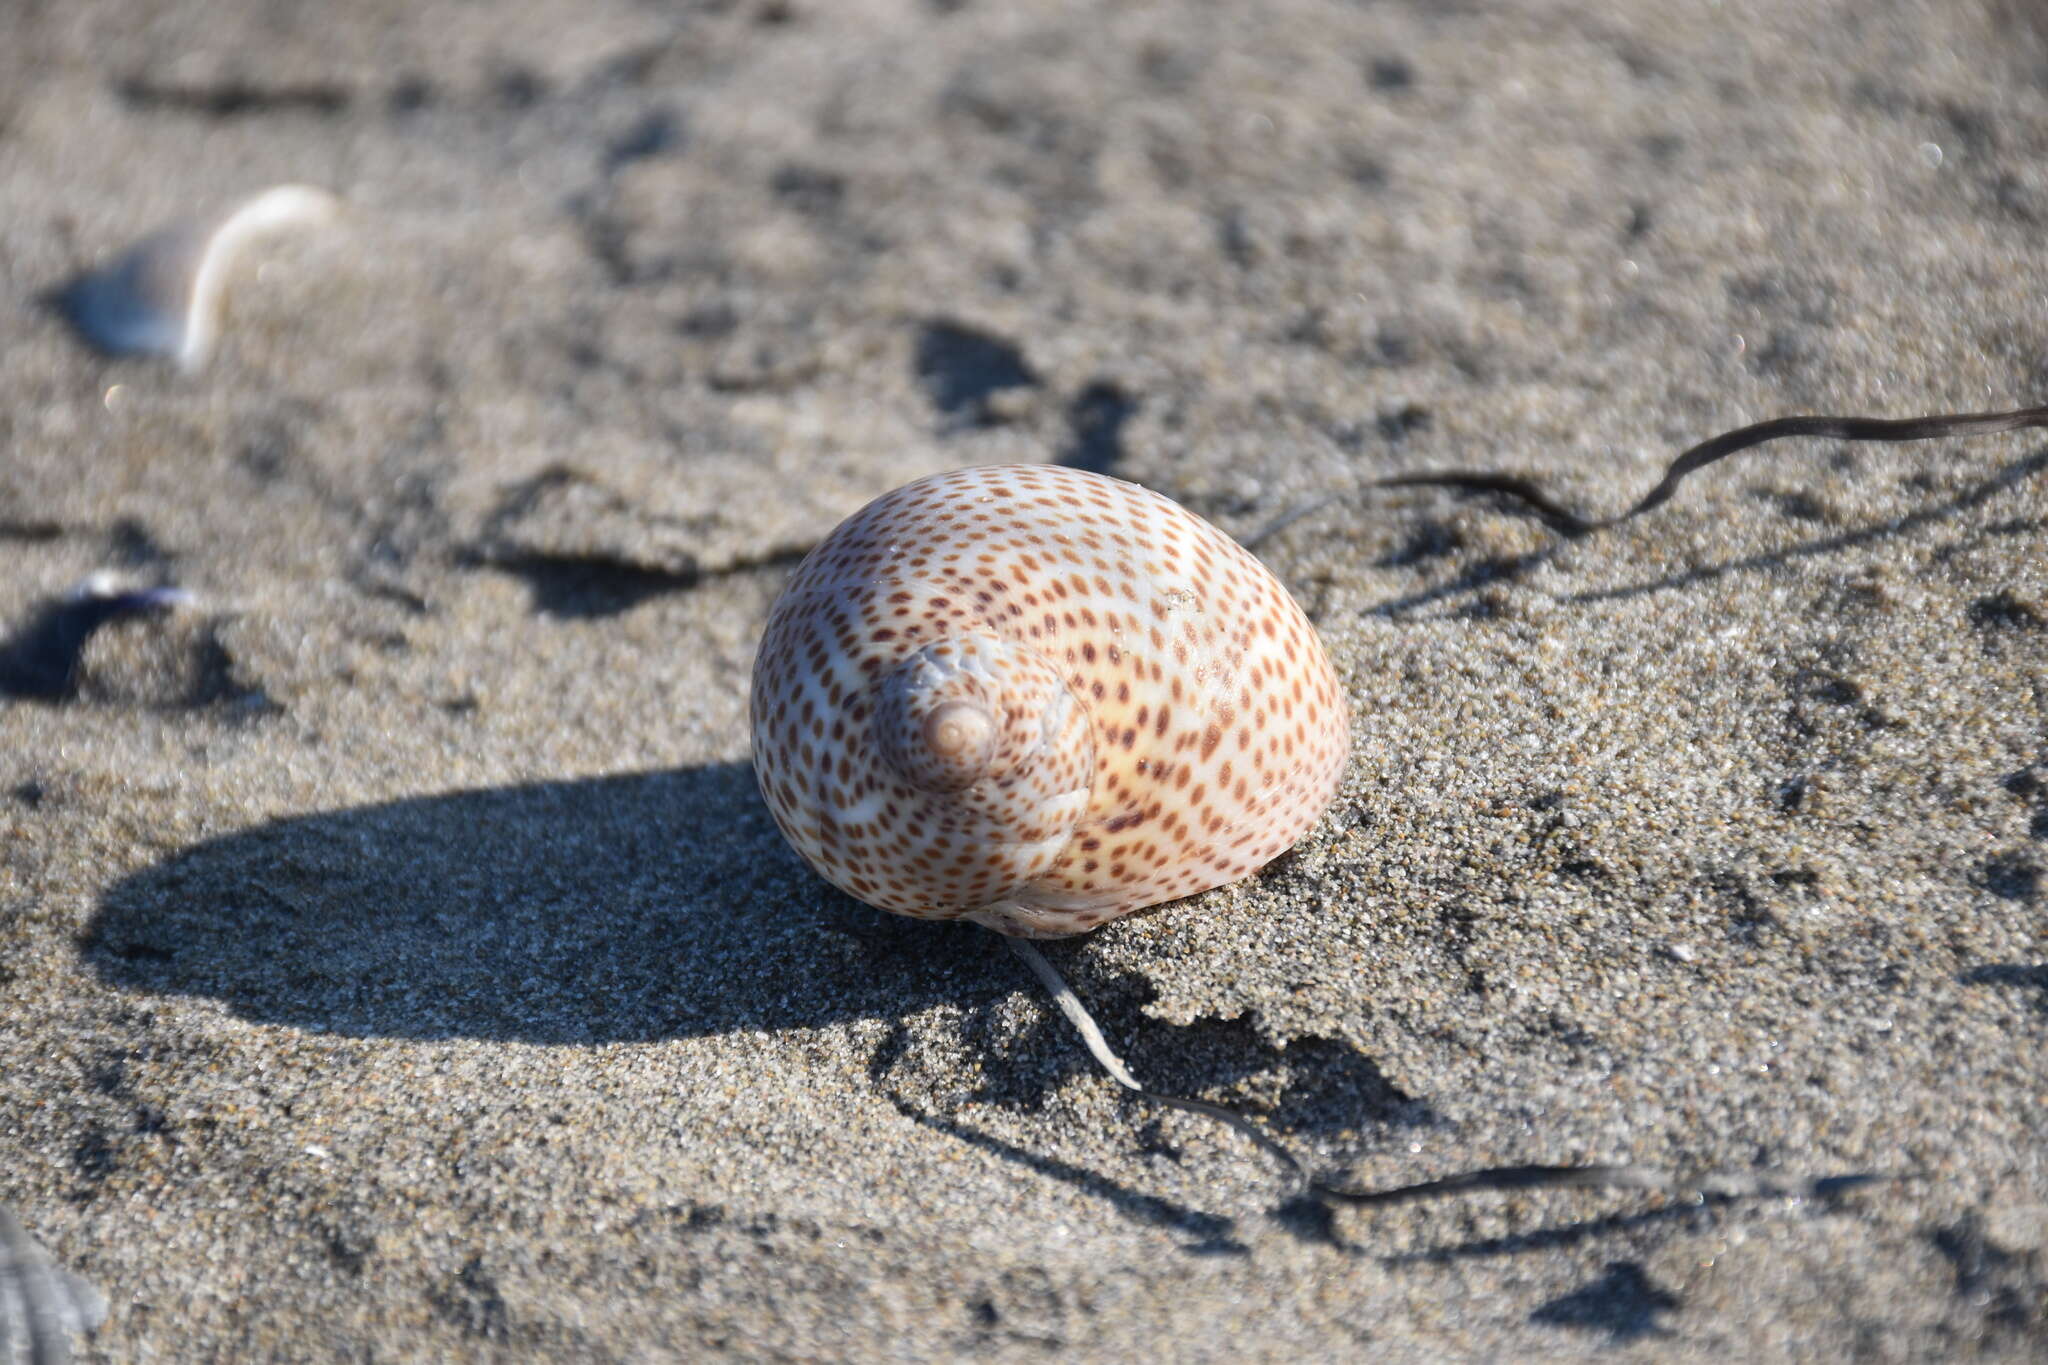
41, 1307
163, 295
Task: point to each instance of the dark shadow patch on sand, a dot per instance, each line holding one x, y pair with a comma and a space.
1306, 1085
2019, 974
1492, 571
1314, 1221
1432, 539
961, 368
1096, 420
1624, 1303
2031, 790
586, 550
2010, 876
658, 132
812, 191
472, 1302
598, 910
2003, 610
588, 588
2004, 1283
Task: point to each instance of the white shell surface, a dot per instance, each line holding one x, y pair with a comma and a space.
1185, 724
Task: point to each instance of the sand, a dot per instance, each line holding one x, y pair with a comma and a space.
397, 963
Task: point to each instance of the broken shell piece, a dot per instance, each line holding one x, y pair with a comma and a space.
113, 592
41, 659
163, 296
41, 1307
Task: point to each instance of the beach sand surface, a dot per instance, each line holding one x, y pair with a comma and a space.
397, 962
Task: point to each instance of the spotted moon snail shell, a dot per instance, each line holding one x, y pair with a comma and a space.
1037, 698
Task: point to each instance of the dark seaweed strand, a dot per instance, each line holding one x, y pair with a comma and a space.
1708, 1184
1569, 523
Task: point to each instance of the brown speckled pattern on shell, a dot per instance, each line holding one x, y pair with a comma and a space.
1160, 716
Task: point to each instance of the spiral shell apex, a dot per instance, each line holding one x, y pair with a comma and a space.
1038, 698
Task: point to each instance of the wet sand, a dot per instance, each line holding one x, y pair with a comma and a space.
396, 961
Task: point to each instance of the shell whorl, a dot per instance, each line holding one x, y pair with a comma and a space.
974, 709
958, 757
1039, 698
